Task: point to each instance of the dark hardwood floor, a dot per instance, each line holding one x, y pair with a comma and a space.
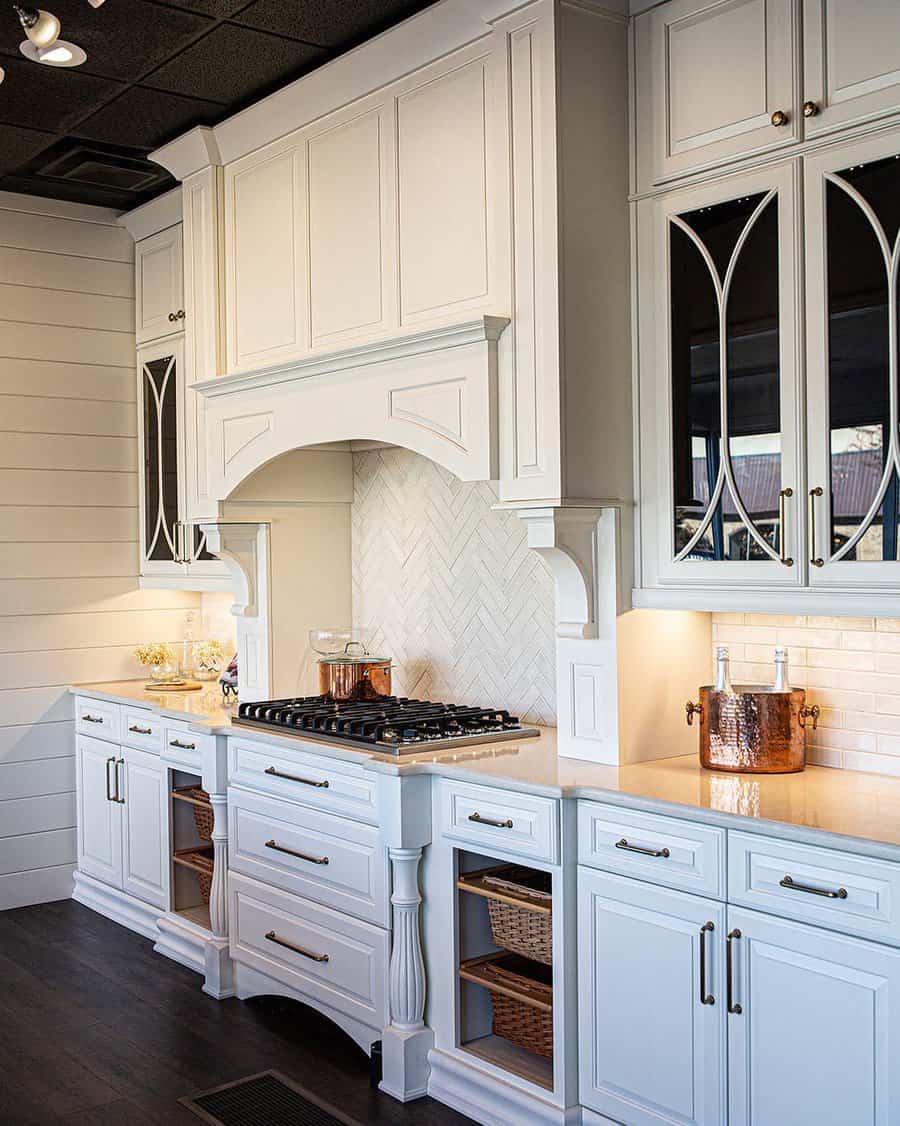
96, 1029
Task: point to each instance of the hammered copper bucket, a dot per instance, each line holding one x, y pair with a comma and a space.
753, 729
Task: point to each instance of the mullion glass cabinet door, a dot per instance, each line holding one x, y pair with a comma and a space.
159, 407
730, 385
853, 197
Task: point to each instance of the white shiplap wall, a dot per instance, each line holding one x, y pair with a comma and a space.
70, 607
850, 667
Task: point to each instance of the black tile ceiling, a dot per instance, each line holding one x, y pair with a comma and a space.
155, 69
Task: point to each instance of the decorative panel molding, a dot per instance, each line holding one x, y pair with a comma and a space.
440, 407
457, 598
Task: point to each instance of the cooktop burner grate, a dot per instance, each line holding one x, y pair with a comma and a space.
390, 723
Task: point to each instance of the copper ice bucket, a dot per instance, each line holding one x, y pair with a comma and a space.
753, 729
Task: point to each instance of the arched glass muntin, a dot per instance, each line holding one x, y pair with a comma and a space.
726, 381
863, 259
160, 459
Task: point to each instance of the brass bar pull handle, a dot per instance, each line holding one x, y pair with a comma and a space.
623, 844
296, 778
92, 718
508, 824
141, 730
109, 793
705, 998
733, 1007
273, 937
826, 893
182, 746
782, 497
816, 560
118, 798
299, 855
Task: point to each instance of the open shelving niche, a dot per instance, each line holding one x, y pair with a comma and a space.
191, 854
476, 944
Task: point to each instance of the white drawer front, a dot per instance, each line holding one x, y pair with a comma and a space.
142, 729
184, 748
290, 939
98, 718
481, 816
852, 894
315, 780
647, 846
328, 859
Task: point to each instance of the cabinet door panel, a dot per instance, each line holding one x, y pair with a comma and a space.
650, 1051
99, 818
442, 157
851, 61
819, 1027
265, 255
350, 250
145, 859
727, 414
158, 285
160, 394
853, 224
715, 72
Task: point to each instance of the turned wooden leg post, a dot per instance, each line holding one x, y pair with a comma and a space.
219, 969
406, 1042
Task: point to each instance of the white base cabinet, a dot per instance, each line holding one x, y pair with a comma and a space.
817, 1037
651, 1034
122, 819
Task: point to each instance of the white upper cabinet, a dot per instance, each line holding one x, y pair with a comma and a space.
853, 298
714, 82
851, 62
159, 295
352, 267
720, 398
266, 280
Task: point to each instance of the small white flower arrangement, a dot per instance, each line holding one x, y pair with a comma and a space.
209, 657
159, 657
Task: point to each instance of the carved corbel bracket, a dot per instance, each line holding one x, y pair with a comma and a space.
579, 545
241, 547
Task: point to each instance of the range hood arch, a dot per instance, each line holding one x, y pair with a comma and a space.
433, 392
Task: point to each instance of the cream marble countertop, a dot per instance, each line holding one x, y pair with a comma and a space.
861, 809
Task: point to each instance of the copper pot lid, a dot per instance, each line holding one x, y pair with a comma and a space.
348, 659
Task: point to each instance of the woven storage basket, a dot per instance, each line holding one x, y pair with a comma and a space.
199, 802
519, 904
200, 862
522, 997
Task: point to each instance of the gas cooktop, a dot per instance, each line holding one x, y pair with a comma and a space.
390, 724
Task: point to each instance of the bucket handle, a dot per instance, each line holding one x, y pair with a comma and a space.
811, 712
690, 710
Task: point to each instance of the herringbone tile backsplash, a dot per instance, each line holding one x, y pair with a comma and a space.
457, 598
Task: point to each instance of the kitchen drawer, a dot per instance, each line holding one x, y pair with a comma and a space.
316, 780
850, 893
184, 748
487, 819
98, 718
329, 859
142, 729
663, 850
327, 956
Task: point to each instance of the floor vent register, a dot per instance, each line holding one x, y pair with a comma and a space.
267, 1099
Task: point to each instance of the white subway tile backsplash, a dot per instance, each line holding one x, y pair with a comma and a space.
850, 667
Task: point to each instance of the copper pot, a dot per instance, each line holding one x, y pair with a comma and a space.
348, 678
753, 729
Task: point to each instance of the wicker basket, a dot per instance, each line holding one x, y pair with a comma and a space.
520, 907
200, 862
198, 799
522, 997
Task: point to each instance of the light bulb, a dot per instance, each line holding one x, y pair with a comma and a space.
2, 74
42, 28
95, 3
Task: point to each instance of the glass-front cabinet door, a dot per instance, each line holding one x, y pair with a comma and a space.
726, 383
853, 305
159, 412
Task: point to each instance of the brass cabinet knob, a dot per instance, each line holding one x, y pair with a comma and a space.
810, 109
779, 118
